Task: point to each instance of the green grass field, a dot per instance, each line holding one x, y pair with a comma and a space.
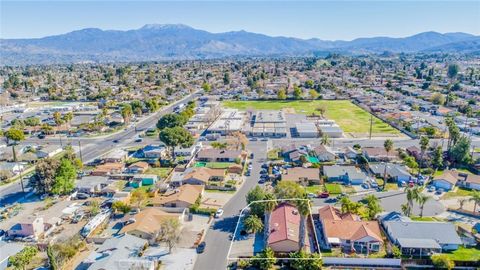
333, 188
465, 254
348, 116
161, 172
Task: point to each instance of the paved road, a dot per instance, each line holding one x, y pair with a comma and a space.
91, 147
392, 201
217, 238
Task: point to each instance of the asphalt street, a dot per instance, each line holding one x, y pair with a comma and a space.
217, 238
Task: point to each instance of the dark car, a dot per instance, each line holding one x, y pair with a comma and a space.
41, 136
116, 141
324, 195
201, 247
82, 196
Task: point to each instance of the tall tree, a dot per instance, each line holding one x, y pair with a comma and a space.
139, 197
170, 230
269, 205
171, 120
256, 194
64, 177
373, 206
424, 142
460, 152
302, 260
23, 258
422, 199
126, 113
13, 137
388, 145
265, 260
452, 71
282, 94
412, 195
253, 224
303, 207
45, 172
176, 136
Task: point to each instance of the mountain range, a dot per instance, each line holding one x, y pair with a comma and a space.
156, 42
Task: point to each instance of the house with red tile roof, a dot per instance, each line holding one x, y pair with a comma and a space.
284, 235
349, 231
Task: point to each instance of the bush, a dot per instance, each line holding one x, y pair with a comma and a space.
203, 211
442, 261
396, 252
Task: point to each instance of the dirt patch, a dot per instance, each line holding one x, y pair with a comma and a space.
289, 110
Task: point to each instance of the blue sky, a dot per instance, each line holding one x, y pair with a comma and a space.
330, 20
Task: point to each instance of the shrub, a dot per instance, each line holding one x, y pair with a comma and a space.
442, 261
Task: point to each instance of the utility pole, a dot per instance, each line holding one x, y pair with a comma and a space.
80, 150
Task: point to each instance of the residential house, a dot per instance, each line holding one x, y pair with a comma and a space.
185, 152
154, 151
420, 237
183, 197
220, 155
284, 229
302, 175
468, 180
377, 154
293, 153
324, 153
147, 223
91, 184
349, 231
201, 176
143, 180
48, 151
108, 169
31, 226
447, 180
396, 172
349, 175
414, 151
117, 155
349, 152
8, 249
119, 252
138, 167
12, 168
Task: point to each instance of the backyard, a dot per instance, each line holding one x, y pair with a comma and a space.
348, 116
161, 172
465, 254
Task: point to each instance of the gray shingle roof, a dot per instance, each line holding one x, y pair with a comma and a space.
440, 232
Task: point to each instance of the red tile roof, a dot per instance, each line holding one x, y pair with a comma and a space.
284, 224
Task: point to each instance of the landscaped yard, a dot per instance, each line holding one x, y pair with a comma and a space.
315, 189
348, 116
418, 218
273, 154
458, 192
333, 188
161, 172
218, 165
465, 254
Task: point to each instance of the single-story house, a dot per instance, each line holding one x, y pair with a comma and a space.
470, 181
184, 152
447, 180
324, 153
30, 226
13, 168
48, 151
394, 171
147, 223
183, 197
201, 176
154, 151
349, 175
349, 152
349, 231
219, 155
91, 184
302, 175
138, 167
420, 237
121, 250
144, 180
117, 155
108, 169
379, 154
284, 229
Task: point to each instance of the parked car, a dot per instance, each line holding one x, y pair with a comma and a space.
365, 186
324, 195
201, 247
253, 139
41, 136
431, 188
139, 140
78, 217
219, 213
130, 221
311, 195
439, 191
116, 141
261, 181
82, 196
264, 139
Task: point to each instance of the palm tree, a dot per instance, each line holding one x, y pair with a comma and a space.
269, 205
476, 199
422, 199
303, 207
373, 205
388, 145
406, 210
253, 224
325, 139
462, 201
412, 195
424, 142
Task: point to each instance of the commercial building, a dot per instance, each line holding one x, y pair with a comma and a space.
267, 124
306, 130
329, 128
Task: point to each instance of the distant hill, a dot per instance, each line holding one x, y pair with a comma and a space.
177, 41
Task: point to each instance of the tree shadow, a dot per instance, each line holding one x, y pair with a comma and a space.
227, 224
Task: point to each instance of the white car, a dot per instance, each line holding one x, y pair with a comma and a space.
219, 213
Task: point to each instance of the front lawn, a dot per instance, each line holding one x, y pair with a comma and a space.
458, 192
348, 116
465, 254
333, 188
161, 172
315, 189
418, 218
218, 165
